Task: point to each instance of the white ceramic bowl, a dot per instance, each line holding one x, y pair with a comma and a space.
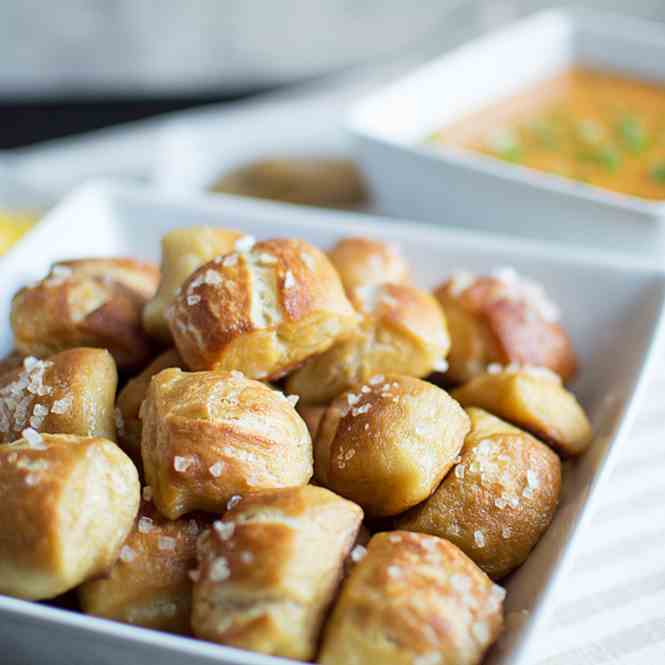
453, 186
612, 307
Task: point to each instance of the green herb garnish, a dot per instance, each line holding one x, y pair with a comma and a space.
632, 134
605, 156
657, 173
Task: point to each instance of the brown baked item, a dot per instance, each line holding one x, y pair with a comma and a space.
262, 311
403, 331
312, 414
72, 392
130, 398
498, 500
88, 302
183, 251
270, 568
388, 443
11, 361
414, 599
210, 435
68, 504
534, 399
502, 318
317, 181
149, 585
363, 261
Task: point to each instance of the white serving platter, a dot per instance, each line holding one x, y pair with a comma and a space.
612, 307
454, 186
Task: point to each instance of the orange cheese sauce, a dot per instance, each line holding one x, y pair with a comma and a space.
595, 127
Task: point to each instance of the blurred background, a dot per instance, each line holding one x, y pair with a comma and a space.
75, 65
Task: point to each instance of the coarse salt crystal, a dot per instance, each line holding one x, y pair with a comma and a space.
219, 570
233, 501
532, 478
352, 398
63, 405
166, 543
146, 525
527, 493
32, 479
494, 368
193, 300
267, 259
358, 410
506, 532
358, 553
33, 437
245, 243
289, 280
246, 557
441, 366
181, 464
127, 554
29, 362
212, 277
394, 538
224, 529
394, 571
459, 471
479, 538
216, 469
375, 380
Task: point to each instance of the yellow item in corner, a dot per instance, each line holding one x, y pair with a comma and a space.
13, 225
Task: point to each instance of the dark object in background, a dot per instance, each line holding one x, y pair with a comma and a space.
22, 123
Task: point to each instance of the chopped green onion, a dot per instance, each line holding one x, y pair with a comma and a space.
632, 134
605, 156
657, 173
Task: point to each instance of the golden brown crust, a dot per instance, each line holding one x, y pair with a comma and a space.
363, 261
68, 504
210, 435
534, 399
312, 415
262, 311
183, 251
387, 444
413, 598
270, 569
11, 361
498, 500
500, 320
129, 402
317, 181
72, 392
149, 585
89, 302
403, 331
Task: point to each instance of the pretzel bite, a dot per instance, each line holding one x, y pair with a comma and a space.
68, 503
534, 399
388, 443
183, 251
363, 262
262, 310
11, 361
90, 302
210, 435
70, 393
504, 318
498, 500
403, 331
316, 181
270, 568
312, 414
149, 585
413, 599
130, 398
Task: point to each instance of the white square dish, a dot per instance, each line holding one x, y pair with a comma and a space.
457, 187
612, 307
